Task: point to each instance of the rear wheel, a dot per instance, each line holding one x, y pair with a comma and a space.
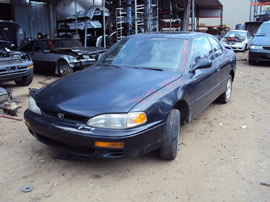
226, 96
64, 68
169, 147
25, 81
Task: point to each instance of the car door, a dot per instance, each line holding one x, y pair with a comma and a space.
222, 64
204, 79
42, 56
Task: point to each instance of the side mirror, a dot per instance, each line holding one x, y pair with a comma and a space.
46, 51
98, 56
202, 63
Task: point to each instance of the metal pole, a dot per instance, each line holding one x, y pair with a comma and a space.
129, 14
104, 25
250, 10
136, 16
193, 15
85, 33
171, 15
76, 20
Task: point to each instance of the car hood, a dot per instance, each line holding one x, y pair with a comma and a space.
261, 40
79, 50
102, 89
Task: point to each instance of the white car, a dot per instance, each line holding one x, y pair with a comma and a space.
238, 40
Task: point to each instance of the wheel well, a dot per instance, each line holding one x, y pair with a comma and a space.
184, 109
232, 74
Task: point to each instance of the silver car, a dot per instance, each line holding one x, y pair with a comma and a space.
61, 56
238, 40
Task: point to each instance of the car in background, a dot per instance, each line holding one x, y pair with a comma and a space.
260, 46
11, 34
61, 56
15, 66
263, 16
135, 98
238, 40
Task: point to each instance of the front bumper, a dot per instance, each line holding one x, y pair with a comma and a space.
82, 64
237, 47
65, 135
259, 55
12, 76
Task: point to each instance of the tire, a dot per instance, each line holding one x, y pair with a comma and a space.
63, 68
226, 96
169, 146
25, 81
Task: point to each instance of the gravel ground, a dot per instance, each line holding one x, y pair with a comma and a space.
224, 156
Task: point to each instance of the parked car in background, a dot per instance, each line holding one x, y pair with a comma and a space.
60, 56
15, 66
136, 96
238, 40
260, 46
11, 34
263, 16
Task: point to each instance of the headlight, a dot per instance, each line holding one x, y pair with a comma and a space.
256, 47
118, 121
72, 59
32, 106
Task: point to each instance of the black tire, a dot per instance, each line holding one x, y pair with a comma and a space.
226, 96
169, 146
25, 81
63, 68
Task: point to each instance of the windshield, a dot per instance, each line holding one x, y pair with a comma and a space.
163, 53
64, 44
264, 30
240, 35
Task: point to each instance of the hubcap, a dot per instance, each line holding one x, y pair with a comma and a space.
229, 89
63, 69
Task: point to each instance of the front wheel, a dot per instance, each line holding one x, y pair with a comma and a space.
226, 96
64, 68
169, 146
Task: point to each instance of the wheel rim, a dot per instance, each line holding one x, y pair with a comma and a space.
229, 89
62, 69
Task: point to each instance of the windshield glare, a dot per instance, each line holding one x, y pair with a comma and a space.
264, 29
164, 53
236, 34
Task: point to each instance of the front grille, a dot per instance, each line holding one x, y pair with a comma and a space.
13, 69
266, 48
66, 116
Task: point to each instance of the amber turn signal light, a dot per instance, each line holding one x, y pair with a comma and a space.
30, 66
27, 124
114, 145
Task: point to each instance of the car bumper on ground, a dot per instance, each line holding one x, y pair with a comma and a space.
65, 135
259, 55
10, 76
236, 47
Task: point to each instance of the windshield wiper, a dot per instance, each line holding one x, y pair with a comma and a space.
150, 68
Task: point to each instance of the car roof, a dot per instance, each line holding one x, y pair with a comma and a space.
180, 35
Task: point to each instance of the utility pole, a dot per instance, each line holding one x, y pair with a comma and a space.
185, 22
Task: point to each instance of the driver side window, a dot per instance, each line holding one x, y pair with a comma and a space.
201, 48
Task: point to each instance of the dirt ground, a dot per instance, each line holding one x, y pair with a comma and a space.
224, 155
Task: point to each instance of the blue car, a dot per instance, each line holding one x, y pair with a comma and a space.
135, 98
260, 45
